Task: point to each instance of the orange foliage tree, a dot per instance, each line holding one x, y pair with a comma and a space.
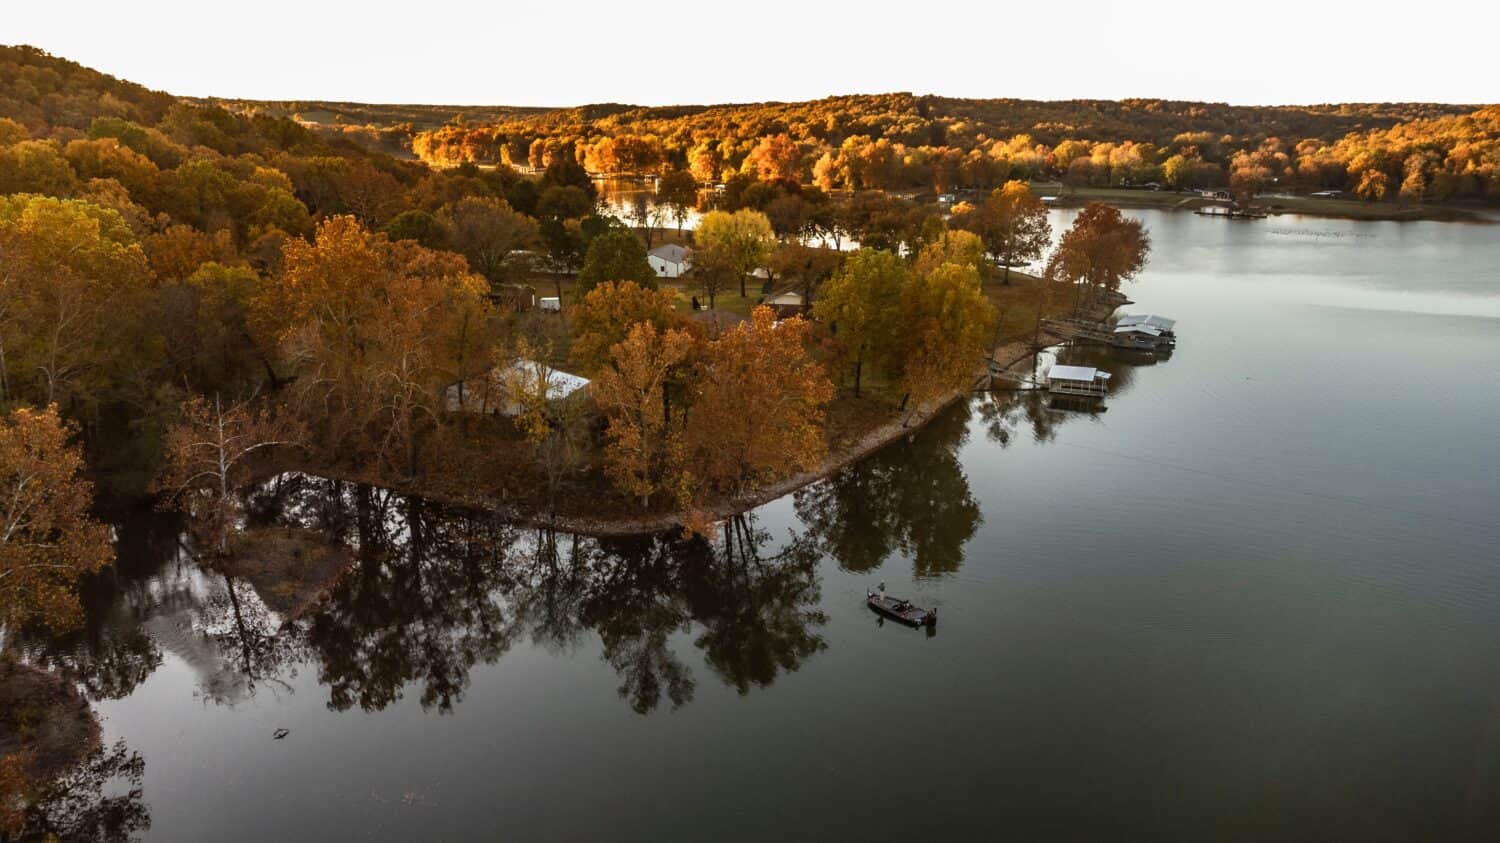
47, 538
606, 315
759, 409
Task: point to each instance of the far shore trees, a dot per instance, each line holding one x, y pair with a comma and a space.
372, 330
48, 540
1101, 250
74, 287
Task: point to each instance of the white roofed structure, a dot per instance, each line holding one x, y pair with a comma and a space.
1077, 380
1162, 324
491, 393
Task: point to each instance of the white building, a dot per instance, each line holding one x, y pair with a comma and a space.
670, 260
490, 393
1077, 380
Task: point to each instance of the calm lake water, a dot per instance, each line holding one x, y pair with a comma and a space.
1256, 599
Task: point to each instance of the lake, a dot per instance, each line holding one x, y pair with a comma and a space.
1257, 598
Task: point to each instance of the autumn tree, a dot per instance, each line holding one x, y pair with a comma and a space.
208, 457
1012, 222
808, 266
946, 322
861, 304
47, 538
775, 158
372, 331
737, 243
488, 233
758, 413
616, 255
644, 452
74, 295
555, 425
1102, 249
606, 315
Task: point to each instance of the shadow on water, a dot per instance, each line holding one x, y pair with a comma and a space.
431, 591
912, 498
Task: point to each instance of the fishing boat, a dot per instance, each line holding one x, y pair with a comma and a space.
899, 610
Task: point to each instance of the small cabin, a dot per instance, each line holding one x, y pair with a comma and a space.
490, 393
670, 260
786, 304
1077, 380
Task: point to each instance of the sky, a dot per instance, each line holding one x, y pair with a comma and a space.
572, 52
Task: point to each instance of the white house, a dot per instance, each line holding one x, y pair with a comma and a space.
489, 393
670, 260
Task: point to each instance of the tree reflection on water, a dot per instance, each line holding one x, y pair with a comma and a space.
436, 590
912, 497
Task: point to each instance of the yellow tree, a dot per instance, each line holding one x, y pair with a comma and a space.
47, 538
758, 415
74, 286
606, 315
861, 303
946, 320
738, 242
645, 445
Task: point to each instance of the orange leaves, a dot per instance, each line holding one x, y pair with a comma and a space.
47, 538
607, 314
758, 414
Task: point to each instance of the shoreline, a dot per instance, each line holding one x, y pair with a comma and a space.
872, 440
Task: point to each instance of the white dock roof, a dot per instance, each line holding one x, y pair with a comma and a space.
1160, 323
1138, 328
1087, 374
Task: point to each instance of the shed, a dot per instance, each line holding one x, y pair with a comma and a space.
489, 394
786, 304
1077, 380
551, 304
670, 260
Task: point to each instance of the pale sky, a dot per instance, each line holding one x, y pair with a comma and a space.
570, 52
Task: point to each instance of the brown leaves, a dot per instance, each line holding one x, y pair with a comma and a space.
47, 538
758, 414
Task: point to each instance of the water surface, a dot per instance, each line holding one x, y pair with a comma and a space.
1257, 598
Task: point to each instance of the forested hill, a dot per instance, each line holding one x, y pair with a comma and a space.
1417, 151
